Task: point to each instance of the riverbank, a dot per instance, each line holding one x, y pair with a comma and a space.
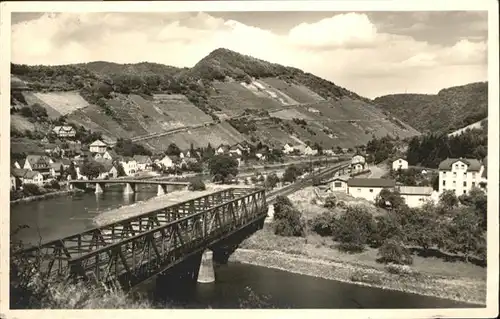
313, 256
45, 196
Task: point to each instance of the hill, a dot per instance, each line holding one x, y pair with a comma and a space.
226, 97
451, 109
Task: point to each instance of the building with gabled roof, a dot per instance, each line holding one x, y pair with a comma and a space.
98, 146
368, 188
460, 175
64, 131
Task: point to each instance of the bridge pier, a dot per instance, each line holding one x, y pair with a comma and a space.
206, 273
129, 188
99, 188
162, 190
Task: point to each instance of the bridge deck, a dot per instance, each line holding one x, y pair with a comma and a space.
178, 226
131, 181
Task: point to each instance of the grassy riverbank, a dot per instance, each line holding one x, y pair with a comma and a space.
44, 196
317, 256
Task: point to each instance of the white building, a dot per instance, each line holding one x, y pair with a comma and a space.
460, 175
27, 177
98, 146
167, 162
416, 196
368, 188
358, 164
337, 184
310, 151
64, 131
287, 149
129, 166
399, 163
144, 162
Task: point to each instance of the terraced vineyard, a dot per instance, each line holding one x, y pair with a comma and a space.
63, 102
31, 99
299, 93
233, 98
215, 134
178, 111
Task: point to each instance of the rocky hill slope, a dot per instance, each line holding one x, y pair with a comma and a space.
225, 98
451, 109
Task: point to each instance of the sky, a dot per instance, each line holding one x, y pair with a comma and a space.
370, 53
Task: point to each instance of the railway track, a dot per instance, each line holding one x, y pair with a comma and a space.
289, 189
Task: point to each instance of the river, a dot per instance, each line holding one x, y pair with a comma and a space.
237, 285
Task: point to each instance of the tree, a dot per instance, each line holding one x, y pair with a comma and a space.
72, 171
354, 229
389, 199
324, 224
272, 180
221, 166
197, 185
387, 226
173, 149
61, 171
465, 233
477, 199
91, 169
120, 170
287, 219
448, 200
126, 147
291, 174
394, 251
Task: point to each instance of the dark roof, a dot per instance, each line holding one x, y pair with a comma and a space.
337, 178
370, 182
142, 159
473, 164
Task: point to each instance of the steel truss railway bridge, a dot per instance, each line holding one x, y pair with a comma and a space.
168, 241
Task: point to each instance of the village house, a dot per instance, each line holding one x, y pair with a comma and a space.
25, 176
13, 182
310, 151
110, 155
144, 162
107, 170
460, 175
55, 169
64, 131
53, 149
330, 152
288, 149
337, 184
368, 188
358, 164
222, 149
39, 163
167, 161
399, 163
236, 150
416, 196
129, 165
98, 146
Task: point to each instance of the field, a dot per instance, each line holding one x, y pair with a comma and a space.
233, 98
265, 90
31, 98
299, 93
63, 102
21, 123
23, 145
178, 111
216, 134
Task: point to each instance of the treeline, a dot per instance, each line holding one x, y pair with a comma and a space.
429, 150
453, 226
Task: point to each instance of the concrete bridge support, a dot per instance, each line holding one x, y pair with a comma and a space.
99, 188
206, 273
162, 190
129, 188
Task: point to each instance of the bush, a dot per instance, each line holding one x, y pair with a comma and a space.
393, 251
287, 219
32, 190
359, 276
54, 185
330, 202
354, 229
324, 224
197, 185
398, 269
